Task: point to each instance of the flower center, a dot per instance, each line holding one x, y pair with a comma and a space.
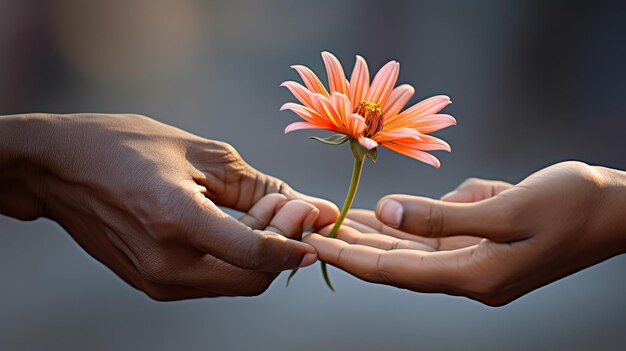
373, 115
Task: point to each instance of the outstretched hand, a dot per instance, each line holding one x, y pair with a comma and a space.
142, 197
488, 240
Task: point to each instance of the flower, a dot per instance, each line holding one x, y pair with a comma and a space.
368, 113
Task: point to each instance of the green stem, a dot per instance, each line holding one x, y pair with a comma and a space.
354, 184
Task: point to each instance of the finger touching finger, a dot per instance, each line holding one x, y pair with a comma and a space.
379, 241
216, 233
328, 211
293, 218
368, 218
262, 212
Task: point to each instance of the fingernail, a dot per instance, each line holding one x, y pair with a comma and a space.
308, 259
391, 212
307, 224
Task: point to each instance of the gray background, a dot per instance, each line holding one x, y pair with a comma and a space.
532, 83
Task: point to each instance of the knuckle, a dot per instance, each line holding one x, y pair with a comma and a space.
215, 156
435, 219
137, 116
470, 182
284, 188
586, 175
275, 185
225, 151
575, 165
226, 147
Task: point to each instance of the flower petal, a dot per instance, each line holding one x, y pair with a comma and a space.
429, 142
414, 153
397, 134
301, 125
356, 125
341, 103
301, 93
397, 100
433, 123
306, 113
426, 143
423, 124
310, 80
336, 76
326, 109
429, 106
383, 83
368, 143
359, 82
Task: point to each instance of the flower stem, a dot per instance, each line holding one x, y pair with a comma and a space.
354, 184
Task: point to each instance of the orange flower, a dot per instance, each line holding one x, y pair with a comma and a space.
369, 113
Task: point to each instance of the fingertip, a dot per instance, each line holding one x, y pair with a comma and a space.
308, 259
390, 212
294, 217
328, 211
310, 219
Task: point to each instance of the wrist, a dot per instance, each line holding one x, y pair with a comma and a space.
613, 207
22, 172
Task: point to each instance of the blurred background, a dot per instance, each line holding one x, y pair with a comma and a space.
532, 83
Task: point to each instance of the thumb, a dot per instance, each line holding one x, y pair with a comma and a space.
228, 239
434, 218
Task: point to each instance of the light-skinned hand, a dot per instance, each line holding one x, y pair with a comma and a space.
487, 240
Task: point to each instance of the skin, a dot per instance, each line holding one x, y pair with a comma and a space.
490, 241
142, 197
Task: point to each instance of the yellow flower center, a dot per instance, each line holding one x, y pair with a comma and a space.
373, 115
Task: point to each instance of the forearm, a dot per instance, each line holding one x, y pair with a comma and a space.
21, 174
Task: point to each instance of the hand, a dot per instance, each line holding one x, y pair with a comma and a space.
142, 197
488, 240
